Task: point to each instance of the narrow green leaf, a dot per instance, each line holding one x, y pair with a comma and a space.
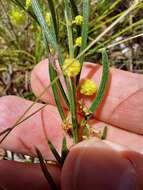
63, 93
70, 82
45, 171
103, 84
78, 28
84, 35
49, 33
53, 14
65, 150
73, 111
68, 16
108, 8
52, 74
55, 75
55, 152
50, 38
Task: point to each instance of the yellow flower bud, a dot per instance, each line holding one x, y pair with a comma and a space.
78, 20
78, 42
88, 87
48, 19
71, 67
17, 17
28, 4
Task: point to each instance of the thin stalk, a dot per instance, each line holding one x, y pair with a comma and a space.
116, 35
108, 11
50, 36
118, 43
109, 28
71, 90
53, 13
101, 24
84, 34
70, 82
55, 92
68, 17
123, 41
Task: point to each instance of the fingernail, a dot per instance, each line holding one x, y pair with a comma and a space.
94, 165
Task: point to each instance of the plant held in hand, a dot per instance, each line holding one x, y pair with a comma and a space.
70, 67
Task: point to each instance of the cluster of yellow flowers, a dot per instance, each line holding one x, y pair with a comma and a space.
48, 19
78, 42
78, 20
27, 4
17, 17
88, 87
71, 67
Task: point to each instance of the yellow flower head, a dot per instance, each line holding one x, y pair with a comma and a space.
17, 17
48, 19
28, 4
71, 67
78, 42
78, 20
88, 87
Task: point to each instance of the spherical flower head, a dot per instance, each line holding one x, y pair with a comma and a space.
71, 67
88, 87
48, 19
28, 4
78, 20
78, 42
17, 17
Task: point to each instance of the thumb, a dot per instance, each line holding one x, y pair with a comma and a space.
94, 165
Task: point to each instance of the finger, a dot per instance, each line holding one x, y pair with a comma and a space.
137, 161
123, 103
32, 132
95, 165
119, 136
15, 176
38, 82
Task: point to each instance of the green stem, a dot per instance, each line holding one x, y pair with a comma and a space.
72, 98
84, 34
70, 82
55, 92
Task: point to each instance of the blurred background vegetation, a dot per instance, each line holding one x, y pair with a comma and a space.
21, 39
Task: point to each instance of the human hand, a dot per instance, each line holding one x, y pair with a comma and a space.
116, 163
